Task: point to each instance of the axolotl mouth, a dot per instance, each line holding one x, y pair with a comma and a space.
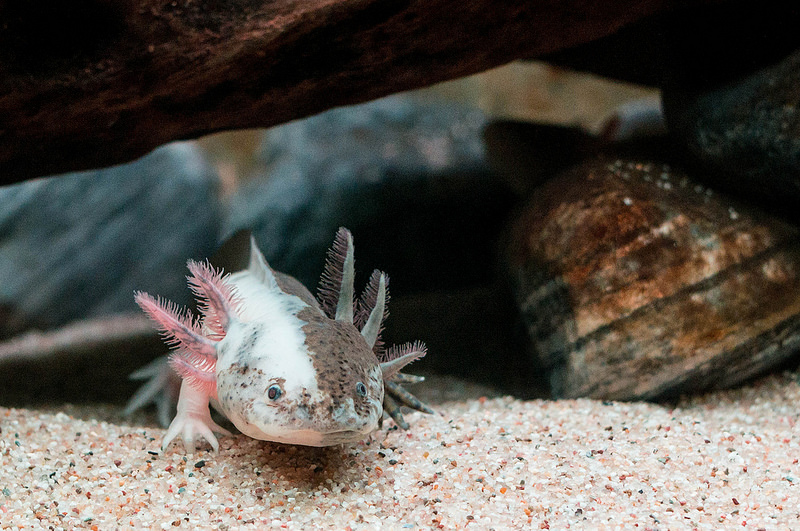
314, 438
308, 436
266, 422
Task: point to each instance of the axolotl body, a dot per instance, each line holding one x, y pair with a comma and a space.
279, 364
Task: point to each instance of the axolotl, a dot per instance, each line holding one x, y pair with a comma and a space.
280, 364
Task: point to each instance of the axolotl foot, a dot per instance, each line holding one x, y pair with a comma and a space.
190, 427
193, 420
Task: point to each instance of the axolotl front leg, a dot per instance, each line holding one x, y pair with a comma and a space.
193, 419
164, 388
196, 358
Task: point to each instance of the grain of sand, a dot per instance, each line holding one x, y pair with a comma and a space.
723, 460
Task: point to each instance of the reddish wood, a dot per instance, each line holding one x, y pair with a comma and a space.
90, 83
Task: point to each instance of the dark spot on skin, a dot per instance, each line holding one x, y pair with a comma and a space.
274, 392
341, 358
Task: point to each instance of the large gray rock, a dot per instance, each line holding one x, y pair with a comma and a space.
409, 179
746, 132
78, 245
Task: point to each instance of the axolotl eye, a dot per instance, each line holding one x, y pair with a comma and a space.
361, 389
274, 392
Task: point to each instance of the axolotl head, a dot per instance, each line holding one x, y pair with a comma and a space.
296, 370
316, 383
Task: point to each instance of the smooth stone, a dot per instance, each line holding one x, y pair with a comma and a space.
636, 282
409, 179
78, 245
746, 133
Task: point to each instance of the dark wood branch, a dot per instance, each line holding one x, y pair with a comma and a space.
90, 83
77, 338
83, 361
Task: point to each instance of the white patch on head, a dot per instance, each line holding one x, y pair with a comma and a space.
280, 350
267, 340
264, 346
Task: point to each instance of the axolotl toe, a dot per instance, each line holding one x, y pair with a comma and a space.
279, 364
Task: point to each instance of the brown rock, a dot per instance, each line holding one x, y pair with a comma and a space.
637, 283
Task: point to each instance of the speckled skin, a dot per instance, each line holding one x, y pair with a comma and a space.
279, 364
320, 405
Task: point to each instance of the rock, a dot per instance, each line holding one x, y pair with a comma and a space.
746, 133
78, 245
636, 282
409, 179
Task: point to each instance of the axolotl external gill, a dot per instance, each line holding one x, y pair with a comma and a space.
279, 364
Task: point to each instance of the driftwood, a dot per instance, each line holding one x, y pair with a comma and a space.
77, 338
91, 83
84, 361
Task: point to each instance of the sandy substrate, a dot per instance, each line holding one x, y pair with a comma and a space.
725, 460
